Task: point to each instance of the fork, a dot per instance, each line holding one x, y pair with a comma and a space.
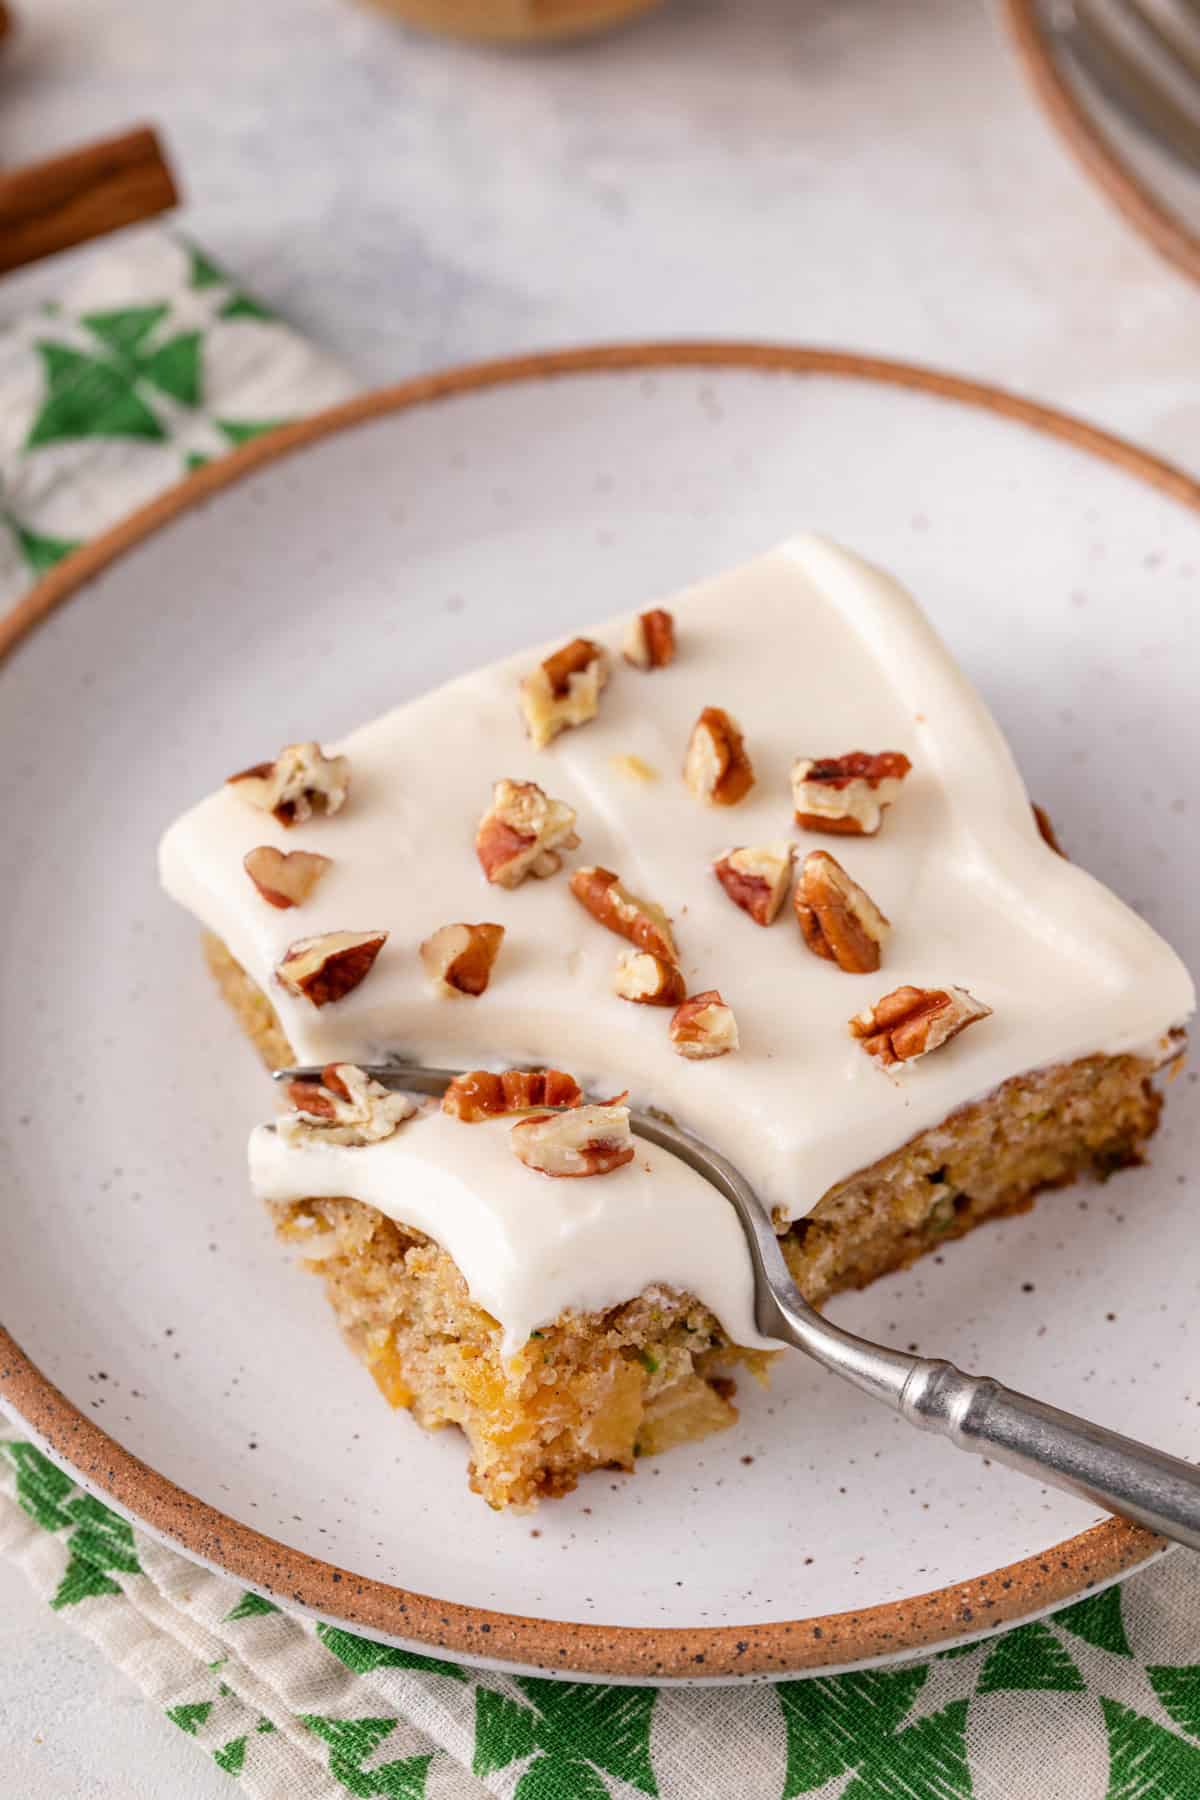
1144, 57
974, 1412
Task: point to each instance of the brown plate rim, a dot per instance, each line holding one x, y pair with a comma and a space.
1095, 152
1001, 1596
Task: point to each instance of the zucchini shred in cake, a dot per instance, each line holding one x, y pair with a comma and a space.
761, 860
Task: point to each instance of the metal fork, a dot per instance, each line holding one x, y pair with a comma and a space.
1144, 57
976, 1413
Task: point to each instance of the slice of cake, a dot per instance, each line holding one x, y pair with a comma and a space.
759, 858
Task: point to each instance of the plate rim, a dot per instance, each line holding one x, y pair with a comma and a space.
974, 1607
1094, 151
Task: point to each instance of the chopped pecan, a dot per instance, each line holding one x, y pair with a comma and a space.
704, 1026
839, 919
1045, 825
302, 780
458, 958
326, 968
564, 690
756, 878
716, 767
648, 980
522, 833
650, 640
284, 877
847, 794
587, 1140
345, 1107
484, 1095
641, 921
911, 1021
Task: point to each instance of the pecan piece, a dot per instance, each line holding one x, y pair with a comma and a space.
704, 1026
480, 1094
1046, 831
839, 919
641, 921
327, 968
522, 833
648, 980
458, 958
756, 878
650, 640
847, 794
284, 877
716, 767
345, 1107
587, 1140
564, 690
911, 1021
302, 780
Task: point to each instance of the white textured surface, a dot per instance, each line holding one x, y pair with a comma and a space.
72, 1727
871, 174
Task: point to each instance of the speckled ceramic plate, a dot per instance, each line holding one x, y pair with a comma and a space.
169, 1352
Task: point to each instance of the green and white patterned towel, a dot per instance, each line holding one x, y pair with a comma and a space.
1100, 1703
155, 361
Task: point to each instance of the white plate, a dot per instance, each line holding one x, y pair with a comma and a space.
139, 1276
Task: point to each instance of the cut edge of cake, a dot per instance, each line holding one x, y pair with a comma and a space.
601, 1390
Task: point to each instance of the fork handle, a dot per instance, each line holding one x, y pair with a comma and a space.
976, 1413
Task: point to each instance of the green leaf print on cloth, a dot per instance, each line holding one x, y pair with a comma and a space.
361, 1655
190, 1717
853, 1723
1178, 1693
231, 1756
574, 1731
1146, 1761
1031, 1658
100, 1540
241, 431
1098, 1621
103, 394
87, 396
39, 550
351, 1741
250, 1606
205, 273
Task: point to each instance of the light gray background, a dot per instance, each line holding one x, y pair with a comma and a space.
868, 173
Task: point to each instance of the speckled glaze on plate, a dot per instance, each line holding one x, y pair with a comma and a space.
170, 1355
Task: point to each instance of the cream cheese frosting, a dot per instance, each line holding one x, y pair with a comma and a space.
530, 1246
814, 653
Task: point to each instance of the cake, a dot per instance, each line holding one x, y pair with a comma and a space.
758, 857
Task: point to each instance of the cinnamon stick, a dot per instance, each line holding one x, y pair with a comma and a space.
83, 194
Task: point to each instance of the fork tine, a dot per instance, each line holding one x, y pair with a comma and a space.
1107, 60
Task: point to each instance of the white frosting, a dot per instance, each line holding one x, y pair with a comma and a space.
814, 653
529, 1246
